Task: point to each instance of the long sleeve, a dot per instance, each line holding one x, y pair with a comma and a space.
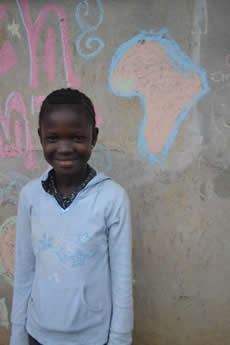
120, 255
23, 275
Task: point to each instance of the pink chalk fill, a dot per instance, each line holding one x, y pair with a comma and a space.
98, 119
166, 91
8, 58
50, 57
33, 34
14, 149
37, 102
3, 12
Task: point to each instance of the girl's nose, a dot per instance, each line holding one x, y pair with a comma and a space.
65, 146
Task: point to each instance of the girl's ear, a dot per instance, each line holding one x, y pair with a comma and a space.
39, 134
95, 135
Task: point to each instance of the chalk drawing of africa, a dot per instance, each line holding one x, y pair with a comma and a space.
153, 67
7, 247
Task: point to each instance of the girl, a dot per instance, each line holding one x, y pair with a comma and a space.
73, 272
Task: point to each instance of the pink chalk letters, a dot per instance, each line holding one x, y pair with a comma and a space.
15, 102
33, 34
13, 131
8, 56
49, 57
3, 12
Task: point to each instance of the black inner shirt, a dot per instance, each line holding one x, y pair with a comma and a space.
49, 186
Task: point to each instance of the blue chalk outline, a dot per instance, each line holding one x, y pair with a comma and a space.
104, 157
181, 63
4, 322
18, 182
3, 227
85, 28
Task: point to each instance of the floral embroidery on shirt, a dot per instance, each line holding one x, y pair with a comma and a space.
45, 242
71, 251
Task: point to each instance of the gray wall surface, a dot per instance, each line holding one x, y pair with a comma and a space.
158, 72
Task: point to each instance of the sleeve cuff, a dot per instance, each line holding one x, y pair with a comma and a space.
116, 338
19, 335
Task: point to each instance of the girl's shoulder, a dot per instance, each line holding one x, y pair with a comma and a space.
32, 188
114, 187
112, 191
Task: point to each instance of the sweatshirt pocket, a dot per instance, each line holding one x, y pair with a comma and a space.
96, 307
62, 309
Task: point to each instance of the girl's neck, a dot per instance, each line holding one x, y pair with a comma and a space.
65, 183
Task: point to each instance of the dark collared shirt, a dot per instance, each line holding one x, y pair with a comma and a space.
49, 186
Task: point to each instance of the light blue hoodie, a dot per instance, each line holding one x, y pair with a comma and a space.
73, 271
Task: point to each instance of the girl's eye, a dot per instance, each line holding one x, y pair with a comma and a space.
51, 139
78, 138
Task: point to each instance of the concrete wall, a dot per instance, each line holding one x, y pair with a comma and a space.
164, 135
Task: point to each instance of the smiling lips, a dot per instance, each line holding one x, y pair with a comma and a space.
66, 163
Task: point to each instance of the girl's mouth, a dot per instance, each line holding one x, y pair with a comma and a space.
66, 163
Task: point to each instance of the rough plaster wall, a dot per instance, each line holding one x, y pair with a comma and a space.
180, 206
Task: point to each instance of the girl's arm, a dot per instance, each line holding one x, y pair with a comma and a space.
23, 275
120, 252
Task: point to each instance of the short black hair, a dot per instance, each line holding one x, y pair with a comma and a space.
70, 97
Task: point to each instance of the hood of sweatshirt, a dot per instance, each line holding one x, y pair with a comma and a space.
99, 178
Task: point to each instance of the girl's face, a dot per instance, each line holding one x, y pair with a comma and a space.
67, 137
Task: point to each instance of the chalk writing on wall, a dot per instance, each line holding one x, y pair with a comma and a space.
3, 314
220, 108
101, 159
50, 57
201, 18
33, 32
17, 181
7, 245
219, 76
12, 182
11, 143
3, 12
8, 57
153, 67
15, 102
36, 102
88, 29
